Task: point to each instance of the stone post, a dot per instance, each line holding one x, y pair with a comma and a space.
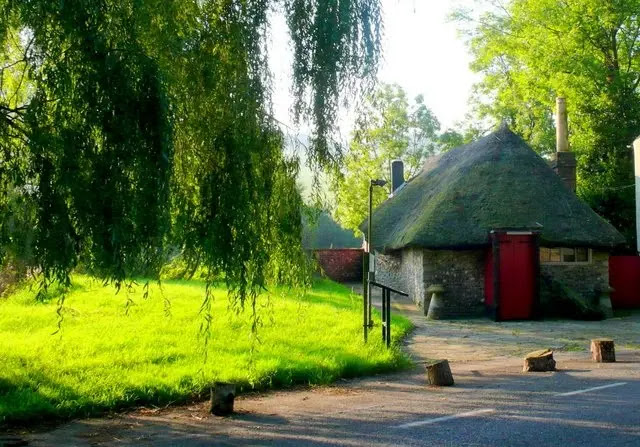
436, 309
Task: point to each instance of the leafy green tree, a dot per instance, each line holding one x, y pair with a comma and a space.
130, 126
531, 51
389, 127
451, 138
321, 232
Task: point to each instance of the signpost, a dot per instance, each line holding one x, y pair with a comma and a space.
369, 280
368, 270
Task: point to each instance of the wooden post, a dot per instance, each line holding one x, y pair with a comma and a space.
603, 350
539, 361
222, 398
439, 373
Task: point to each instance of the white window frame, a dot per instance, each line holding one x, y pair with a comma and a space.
588, 261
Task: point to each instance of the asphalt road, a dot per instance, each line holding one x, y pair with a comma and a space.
492, 404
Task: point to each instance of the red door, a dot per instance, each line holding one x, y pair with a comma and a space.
515, 296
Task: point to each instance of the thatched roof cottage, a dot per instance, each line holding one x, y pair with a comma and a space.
490, 221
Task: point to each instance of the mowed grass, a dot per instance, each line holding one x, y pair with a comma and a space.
104, 359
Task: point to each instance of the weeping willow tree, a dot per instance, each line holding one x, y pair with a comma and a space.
131, 126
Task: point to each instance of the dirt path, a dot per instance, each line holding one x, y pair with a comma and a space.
486, 361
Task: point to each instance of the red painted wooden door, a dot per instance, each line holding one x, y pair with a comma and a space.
517, 270
624, 278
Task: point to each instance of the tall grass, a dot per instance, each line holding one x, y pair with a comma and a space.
110, 356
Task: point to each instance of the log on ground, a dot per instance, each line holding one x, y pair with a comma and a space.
541, 360
603, 350
439, 373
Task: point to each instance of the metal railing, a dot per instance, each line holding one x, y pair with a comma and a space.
386, 311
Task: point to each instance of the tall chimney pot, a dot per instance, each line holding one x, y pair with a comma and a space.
562, 126
563, 161
397, 175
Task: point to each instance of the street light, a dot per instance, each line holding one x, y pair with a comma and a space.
369, 274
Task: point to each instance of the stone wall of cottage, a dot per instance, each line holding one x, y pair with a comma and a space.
586, 279
389, 270
402, 271
413, 272
461, 273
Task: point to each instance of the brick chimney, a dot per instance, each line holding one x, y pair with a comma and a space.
563, 162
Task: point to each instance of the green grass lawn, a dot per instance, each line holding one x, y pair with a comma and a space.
104, 359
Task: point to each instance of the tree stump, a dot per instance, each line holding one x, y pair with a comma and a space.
439, 373
539, 361
222, 397
603, 350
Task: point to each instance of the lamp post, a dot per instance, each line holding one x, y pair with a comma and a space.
369, 273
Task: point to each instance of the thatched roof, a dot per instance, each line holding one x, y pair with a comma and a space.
497, 182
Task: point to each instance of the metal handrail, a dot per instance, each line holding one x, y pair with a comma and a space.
386, 311
382, 286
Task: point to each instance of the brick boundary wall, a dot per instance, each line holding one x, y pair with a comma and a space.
340, 264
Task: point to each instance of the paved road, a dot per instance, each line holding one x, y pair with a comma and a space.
492, 404
487, 407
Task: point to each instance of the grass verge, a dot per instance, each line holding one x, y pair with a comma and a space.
107, 359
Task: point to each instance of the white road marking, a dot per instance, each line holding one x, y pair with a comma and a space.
447, 418
595, 388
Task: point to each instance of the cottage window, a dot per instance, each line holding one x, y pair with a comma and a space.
565, 255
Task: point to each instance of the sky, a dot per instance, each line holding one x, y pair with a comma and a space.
424, 55
421, 52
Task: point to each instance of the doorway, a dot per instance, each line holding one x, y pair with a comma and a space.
511, 275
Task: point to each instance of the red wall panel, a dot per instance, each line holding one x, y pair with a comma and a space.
624, 278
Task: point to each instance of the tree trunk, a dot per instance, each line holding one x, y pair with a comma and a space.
439, 373
539, 361
222, 397
603, 350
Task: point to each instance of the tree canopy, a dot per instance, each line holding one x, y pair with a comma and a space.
388, 127
131, 127
531, 51
322, 232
